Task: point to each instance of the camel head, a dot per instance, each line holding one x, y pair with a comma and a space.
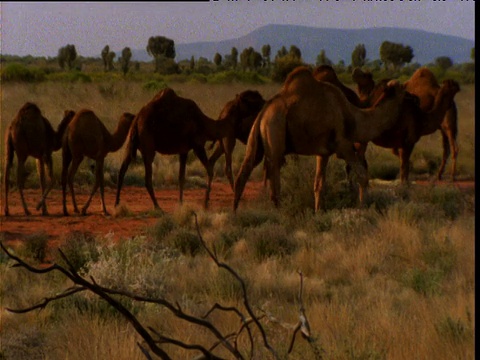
325, 73
388, 89
364, 81
449, 89
126, 119
245, 104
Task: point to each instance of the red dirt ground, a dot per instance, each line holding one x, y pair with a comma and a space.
17, 226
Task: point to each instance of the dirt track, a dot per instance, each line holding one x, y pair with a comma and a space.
18, 227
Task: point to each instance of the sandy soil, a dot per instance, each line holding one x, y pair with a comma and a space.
18, 227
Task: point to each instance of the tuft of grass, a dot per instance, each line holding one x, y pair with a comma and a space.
79, 248
35, 246
269, 240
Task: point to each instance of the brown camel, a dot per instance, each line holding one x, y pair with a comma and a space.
170, 124
31, 134
424, 85
87, 136
310, 117
241, 112
414, 123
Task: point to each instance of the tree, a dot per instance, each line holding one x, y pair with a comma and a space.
234, 57
217, 59
160, 48
443, 62
359, 55
266, 51
395, 55
472, 54
125, 60
295, 52
281, 53
67, 56
111, 55
192, 63
105, 52
322, 59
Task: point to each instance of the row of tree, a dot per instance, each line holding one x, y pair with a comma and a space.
392, 56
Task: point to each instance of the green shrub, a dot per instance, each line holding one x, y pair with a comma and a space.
79, 248
155, 85
186, 241
251, 217
269, 240
36, 246
19, 72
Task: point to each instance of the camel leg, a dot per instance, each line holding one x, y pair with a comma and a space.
66, 160
147, 162
98, 182
217, 152
360, 150
404, 154
71, 175
450, 146
344, 151
319, 186
181, 174
273, 170
51, 181
242, 177
9, 152
202, 156
21, 182
121, 176
41, 173
228, 147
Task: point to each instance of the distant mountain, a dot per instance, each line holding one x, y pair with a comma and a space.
337, 43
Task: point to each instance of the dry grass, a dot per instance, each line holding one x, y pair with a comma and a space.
390, 285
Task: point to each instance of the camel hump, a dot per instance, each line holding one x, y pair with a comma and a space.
425, 76
29, 109
165, 94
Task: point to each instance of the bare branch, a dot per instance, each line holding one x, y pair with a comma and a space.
45, 302
246, 303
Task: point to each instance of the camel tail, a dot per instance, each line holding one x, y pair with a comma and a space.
253, 156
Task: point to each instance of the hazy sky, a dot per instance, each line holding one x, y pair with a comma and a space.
41, 28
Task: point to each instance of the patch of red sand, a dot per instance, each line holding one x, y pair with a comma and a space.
18, 227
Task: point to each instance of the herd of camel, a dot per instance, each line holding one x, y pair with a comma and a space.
312, 114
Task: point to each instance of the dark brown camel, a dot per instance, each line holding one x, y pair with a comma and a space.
170, 124
87, 136
310, 117
424, 85
415, 123
31, 134
241, 112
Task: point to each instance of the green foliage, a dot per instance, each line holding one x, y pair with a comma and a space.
35, 246
67, 56
283, 66
155, 85
184, 240
322, 59
79, 248
359, 55
444, 62
255, 217
395, 55
72, 77
161, 46
19, 72
449, 200
452, 330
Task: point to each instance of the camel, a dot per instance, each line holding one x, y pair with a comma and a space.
310, 117
86, 135
170, 124
241, 112
424, 85
31, 134
415, 123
